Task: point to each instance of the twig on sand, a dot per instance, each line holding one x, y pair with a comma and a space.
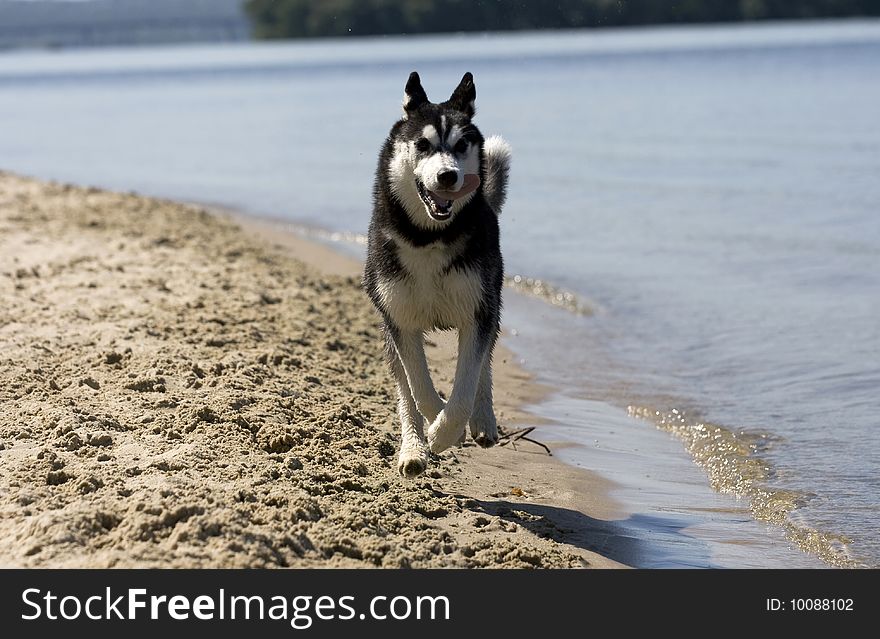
513, 436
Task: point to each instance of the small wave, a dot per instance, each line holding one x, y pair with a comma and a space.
734, 463
543, 290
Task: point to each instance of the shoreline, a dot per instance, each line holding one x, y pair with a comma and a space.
671, 514
188, 396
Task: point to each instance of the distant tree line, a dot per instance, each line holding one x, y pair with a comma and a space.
315, 18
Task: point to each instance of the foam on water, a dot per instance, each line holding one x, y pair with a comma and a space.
735, 464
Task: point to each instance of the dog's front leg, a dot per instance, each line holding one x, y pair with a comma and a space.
410, 347
413, 458
448, 428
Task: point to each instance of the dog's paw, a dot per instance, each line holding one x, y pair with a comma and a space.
412, 462
443, 434
486, 441
484, 430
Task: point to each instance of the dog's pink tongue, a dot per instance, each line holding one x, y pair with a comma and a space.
471, 182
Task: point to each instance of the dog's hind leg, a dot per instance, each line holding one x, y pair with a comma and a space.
448, 428
413, 458
484, 428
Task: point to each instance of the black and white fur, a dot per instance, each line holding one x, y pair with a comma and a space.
436, 264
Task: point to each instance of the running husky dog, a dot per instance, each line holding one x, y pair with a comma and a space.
434, 262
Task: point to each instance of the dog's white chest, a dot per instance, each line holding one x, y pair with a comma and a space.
428, 294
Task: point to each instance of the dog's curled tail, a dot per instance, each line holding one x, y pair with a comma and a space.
496, 157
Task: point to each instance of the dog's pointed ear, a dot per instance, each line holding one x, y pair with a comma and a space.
414, 95
464, 96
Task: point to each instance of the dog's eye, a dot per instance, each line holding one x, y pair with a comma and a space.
423, 146
461, 146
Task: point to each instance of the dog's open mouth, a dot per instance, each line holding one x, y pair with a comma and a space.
439, 203
438, 207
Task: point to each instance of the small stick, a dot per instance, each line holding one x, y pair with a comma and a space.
516, 434
535, 441
513, 436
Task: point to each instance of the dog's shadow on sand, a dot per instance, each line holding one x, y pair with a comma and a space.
640, 541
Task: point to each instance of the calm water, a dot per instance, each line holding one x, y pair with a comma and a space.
710, 193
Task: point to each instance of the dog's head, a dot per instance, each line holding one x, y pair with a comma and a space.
436, 155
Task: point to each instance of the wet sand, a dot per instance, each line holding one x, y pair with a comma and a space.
180, 392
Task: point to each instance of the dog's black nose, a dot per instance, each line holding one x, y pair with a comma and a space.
447, 178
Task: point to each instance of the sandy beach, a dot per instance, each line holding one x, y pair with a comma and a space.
180, 391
